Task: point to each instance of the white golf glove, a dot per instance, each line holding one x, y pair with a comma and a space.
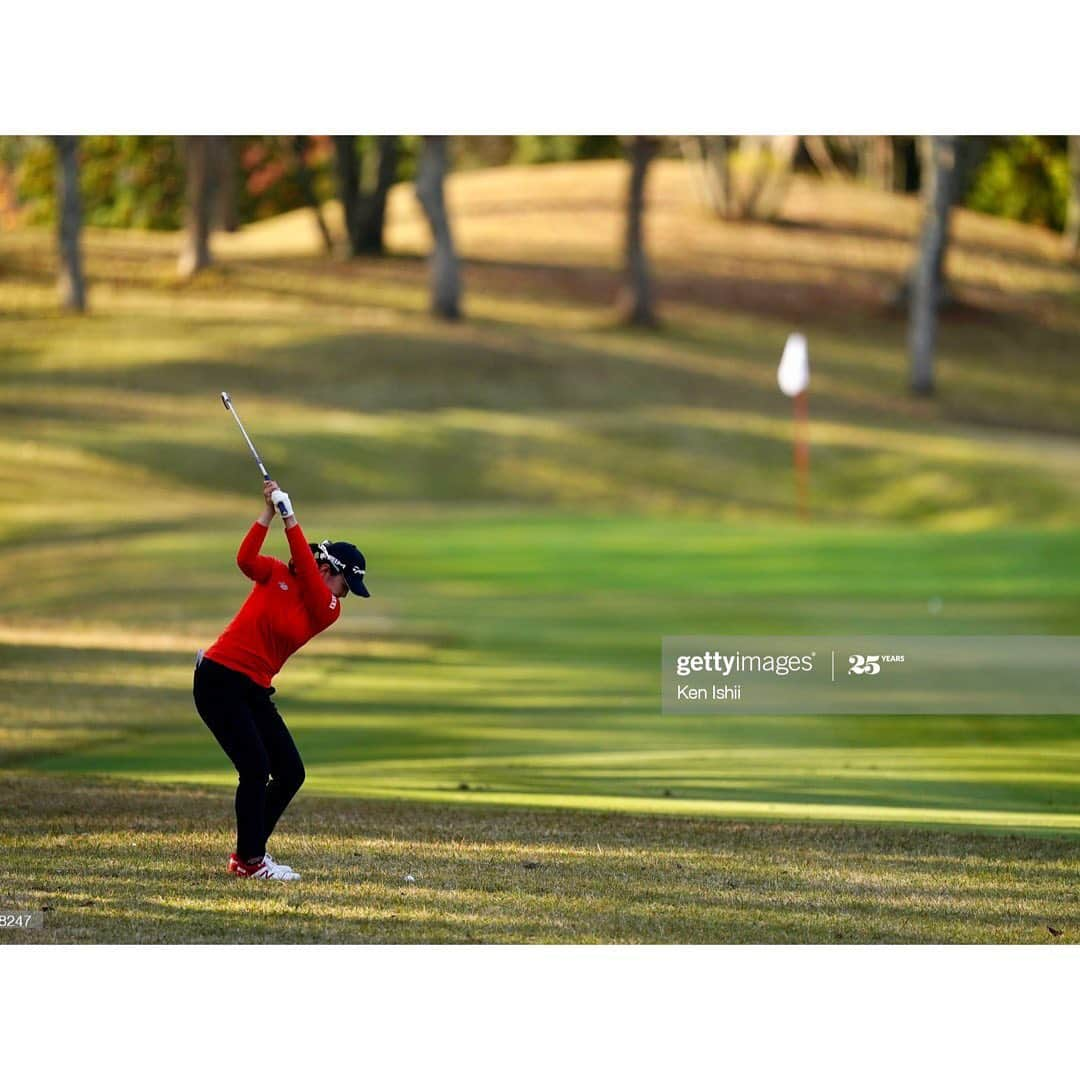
282, 503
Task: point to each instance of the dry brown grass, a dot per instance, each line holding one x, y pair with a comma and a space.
136, 863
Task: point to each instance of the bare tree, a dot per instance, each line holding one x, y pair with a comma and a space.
201, 159
347, 157
637, 300
707, 156
818, 149
741, 178
72, 284
307, 188
227, 208
373, 205
969, 153
1072, 213
772, 157
872, 157
876, 161
940, 160
365, 212
430, 191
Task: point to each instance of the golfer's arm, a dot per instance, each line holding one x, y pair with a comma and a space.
313, 589
252, 564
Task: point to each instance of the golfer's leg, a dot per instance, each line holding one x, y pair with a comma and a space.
222, 704
286, 768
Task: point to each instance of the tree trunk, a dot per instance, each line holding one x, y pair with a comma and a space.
1072, 212
373, 206
773, 183
875, 160
758, 196
754, 147
876, 164
201, 161
708, 159
969, 152
72, 284
886, 163
348, 173
938, 184
864, 158
637, 302
307, 189
227, 208
430, 177
818, 150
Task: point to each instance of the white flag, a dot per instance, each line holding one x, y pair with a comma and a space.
793, 374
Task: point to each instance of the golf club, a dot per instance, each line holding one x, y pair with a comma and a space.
227, 402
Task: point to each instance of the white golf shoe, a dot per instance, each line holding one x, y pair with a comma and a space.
268, 869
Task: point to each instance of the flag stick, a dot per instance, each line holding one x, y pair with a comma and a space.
801, 403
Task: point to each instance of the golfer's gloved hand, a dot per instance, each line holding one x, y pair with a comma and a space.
282, 503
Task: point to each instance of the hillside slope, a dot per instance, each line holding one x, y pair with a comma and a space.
539, 398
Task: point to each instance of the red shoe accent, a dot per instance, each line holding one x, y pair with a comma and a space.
240, 868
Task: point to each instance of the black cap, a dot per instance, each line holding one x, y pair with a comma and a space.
345, 559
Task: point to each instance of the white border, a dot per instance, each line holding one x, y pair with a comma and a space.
520, 1012
485, 66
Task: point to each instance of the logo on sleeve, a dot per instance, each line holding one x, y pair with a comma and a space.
333, 603
281, 585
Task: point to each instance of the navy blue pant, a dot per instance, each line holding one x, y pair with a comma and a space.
251, 731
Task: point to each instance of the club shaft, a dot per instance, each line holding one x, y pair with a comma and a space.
239, 423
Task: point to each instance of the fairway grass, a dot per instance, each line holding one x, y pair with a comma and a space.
513, 658
136, 863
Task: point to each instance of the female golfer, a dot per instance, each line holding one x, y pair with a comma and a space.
288, 606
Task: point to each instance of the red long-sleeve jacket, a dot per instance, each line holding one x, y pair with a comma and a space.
284, 610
